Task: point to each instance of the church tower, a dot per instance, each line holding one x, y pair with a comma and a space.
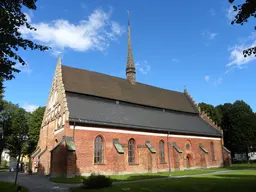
130, 66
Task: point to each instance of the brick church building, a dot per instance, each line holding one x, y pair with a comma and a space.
96, 123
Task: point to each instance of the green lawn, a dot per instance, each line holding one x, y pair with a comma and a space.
77, 179
4, 170
130, 177
243, 166
235, 181
10, 187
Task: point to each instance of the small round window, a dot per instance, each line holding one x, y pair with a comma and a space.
188, 147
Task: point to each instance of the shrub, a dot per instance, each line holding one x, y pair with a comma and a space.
97, 181
4, 164
30, 171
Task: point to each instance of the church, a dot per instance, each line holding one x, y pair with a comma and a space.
96, 123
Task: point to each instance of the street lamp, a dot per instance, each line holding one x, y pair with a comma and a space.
21, 139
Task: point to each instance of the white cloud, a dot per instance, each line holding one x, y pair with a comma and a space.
209, 35
212, 12
218, 81
231, 13
143, 67
236, 57
207, 78
30, 108
95, 33
174, 60
212, 35
28, 17
57, 53
24, 68
83, 5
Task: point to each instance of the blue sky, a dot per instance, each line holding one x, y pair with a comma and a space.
174, 45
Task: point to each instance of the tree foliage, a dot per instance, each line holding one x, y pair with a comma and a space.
17, 131
245, 11
224, 111
238, 122
34, 125
18, 124
6, 113
11, 40
242, 126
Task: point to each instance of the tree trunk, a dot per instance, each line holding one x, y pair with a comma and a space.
17, 167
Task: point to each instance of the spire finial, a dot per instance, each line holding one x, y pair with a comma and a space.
185, 89
130, 66
128, 17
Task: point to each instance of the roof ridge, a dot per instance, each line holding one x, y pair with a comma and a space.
144, 84
191, 100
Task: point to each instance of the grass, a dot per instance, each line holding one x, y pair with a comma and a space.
235, 181
4, 170
10, 187
130, 177
78, 179
243, 166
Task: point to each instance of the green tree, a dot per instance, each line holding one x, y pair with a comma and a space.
34, 125
17, 131
242, 127
211, 111
224, 111
245, 10
11, 40
6, 113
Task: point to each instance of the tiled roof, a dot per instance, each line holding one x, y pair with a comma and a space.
99, 111
105, 86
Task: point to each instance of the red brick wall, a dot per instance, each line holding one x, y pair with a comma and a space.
82, 160
48, 138
145, 161
227, 157
59, 161
71, 165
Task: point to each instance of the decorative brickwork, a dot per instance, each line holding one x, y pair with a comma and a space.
203, 115
56, 108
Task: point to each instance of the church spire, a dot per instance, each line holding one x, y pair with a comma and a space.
59, 60
130, 66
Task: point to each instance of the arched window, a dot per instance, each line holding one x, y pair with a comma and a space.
161, 151
98, 150
131, 151
212, 151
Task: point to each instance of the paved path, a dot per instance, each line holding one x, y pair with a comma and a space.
36, 183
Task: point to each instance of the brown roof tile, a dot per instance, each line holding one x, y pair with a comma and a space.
101, 85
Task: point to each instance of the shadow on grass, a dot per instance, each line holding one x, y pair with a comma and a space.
121, 178
220, 183
243, 177
10, 187
117, 178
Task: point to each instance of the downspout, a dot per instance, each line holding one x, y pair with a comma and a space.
222, 148
169, 161
74, 131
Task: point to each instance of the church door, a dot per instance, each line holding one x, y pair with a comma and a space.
187, 162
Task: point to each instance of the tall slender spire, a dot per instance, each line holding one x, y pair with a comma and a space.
130, 66
59, 60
